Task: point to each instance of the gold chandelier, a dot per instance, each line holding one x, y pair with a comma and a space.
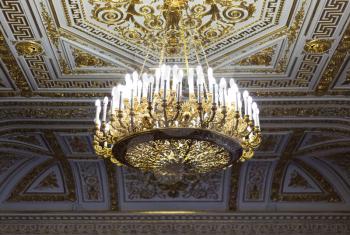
162, 124
152, 126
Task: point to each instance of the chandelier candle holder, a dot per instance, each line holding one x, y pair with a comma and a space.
157, 124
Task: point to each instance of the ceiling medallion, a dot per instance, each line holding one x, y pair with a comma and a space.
318, 46
29, 48
158, 123
157, 22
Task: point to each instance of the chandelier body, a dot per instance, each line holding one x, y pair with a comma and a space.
161, 124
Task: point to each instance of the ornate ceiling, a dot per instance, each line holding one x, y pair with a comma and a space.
56, 55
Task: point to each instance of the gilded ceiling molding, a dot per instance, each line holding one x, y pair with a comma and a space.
13, 68
14, 145
318, 46
335, 63
19, 194
161, 224
84, 59
55, 113
16, 20
263, 57
29, 48
325, 29
54, 35
113, 184
256, 178
329, 194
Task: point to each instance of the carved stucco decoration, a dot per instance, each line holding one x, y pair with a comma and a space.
15, 71
156, 224
162, 23
146, 186
52, 84
335, 63
256, 177
29, 48
84, 59
298, 180
318, 45
263, 57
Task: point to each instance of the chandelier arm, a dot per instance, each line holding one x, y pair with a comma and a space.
132, 114
236, 120
149, 108
178, 111
120, 116
224, 113
200, 112
165, 116
211, 116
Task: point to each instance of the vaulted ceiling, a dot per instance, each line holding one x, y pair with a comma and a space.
56, 56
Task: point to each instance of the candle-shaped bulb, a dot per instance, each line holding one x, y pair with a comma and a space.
254, 107
167, 80
128, 81
245, 94
114, 90
104, 114
98, 103
257, 118
232, 83
222, 91
180, 75
210, 73
135, 76
98, 111
239, 100
175, 77
157, 80
250, 102
145, 84
223, 84
139, 90
151, 85
245, 100
199, 70
114, 101
216, 92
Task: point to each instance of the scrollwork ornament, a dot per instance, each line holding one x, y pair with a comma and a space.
135, 20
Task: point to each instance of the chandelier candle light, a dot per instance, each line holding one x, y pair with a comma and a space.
153, 126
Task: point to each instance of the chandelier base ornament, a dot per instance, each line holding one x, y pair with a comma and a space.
153, 126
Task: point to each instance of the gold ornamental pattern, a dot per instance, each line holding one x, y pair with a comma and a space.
184, 155
159, 24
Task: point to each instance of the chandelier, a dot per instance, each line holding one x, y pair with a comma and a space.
177, 121
154, 127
